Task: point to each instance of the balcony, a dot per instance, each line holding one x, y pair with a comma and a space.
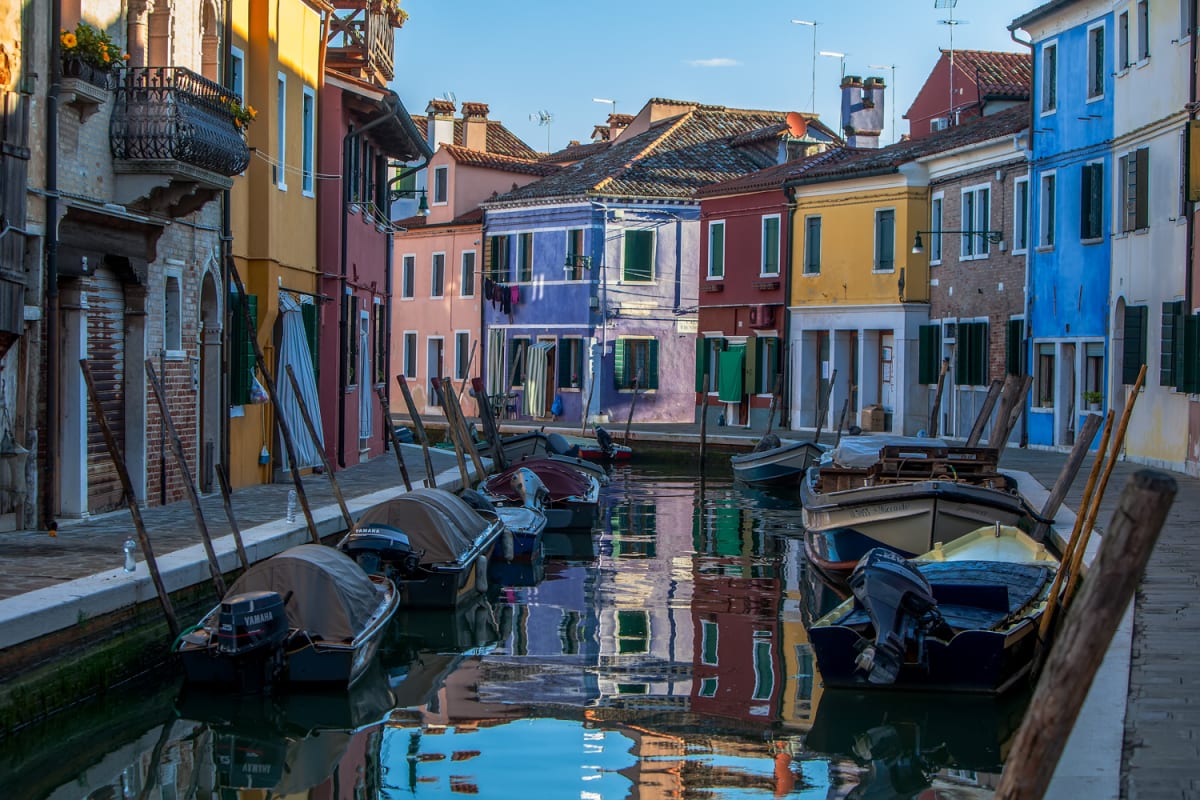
173, 138
362, 35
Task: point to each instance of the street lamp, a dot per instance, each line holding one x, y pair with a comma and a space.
892, 67
422, 204
992, 236
813, 25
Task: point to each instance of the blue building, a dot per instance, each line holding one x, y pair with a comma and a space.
1068, 196
591, 275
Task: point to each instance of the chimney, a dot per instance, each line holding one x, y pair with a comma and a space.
440, 129
617, 123
862, 110
475, 125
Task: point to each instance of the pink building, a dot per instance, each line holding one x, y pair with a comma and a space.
438, 257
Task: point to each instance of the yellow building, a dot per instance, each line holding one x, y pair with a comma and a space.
276, 61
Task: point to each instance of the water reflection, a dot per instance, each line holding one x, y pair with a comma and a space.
664, 654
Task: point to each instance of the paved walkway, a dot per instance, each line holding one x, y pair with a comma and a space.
1161, 748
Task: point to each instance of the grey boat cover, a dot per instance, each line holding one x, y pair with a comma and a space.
437, 521
863, 451
332, 598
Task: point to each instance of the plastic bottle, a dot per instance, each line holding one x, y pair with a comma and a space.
291, 506
130, 547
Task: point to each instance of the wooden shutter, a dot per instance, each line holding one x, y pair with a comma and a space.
701, 362
812, 246
639, 255
885, 240
620, 364
971, 354
1189, 363
308, 313
242, 358
1171, 343
716, 250
1134, 350
652, 369
770, 245
1014, 349
1091, 201
1141, 210
750, 376
929, 360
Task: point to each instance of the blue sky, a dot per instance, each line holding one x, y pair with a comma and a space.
525, 56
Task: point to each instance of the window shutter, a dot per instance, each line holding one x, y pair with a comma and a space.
716, 250
770, 246
981, 354
1190, 355
1091, 202
639, 254
701, 362
1134, 351
620, 357
750, 376
963, 355
652, 378
1142, 170
563, 368
243, 352
1168, 359
308, 313
1014, 347
773, 362
928, 362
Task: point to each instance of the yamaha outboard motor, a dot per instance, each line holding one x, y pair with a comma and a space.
530, 489
382, 550
899, 601
251, 629
605, 440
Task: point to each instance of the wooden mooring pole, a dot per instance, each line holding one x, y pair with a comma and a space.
465, 436
823, 407
130, 499
440, 387
487, 418
185, 472
1085, 635
317, 445
937, 398
223, 481
387, 419
419, 427
985, 413
1066, 476
703, 420
637, 382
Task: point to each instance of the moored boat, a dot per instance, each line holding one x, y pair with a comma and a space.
777, 462
524, 525
308, 615
430, 542
535, 443
573, 495
962, 617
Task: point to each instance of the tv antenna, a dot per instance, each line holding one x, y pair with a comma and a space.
951, 22
543, 118
450, 96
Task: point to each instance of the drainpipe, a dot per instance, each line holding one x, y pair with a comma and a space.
1012, 34
785, 349
1190, 208
50, 492
226, 254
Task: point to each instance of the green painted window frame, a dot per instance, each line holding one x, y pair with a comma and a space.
929, 353
637, 265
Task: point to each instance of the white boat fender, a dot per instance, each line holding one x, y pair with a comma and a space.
507, 545
481, 568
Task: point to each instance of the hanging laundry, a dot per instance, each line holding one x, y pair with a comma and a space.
515, 295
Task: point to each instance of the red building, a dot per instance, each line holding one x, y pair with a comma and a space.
965, 84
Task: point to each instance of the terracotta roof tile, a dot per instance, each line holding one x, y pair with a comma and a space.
475, 109
575, 152
499, 138
497, 161
776, 176
999, 75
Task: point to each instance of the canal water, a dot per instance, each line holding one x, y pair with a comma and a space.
662, 656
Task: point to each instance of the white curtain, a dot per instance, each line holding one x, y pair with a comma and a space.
495, 362
535, 379
294, 350
366, 397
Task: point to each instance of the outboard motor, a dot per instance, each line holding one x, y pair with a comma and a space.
530, 489
477, 501
383, 550
899, 601
250, 622
605, 440
557, 444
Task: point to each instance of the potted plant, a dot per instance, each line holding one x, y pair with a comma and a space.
1093, 400
242, 115
88, 53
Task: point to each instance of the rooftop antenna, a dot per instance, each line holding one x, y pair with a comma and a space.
606, 100
811, 24
450, 96
543, 118
951, 22
892, 67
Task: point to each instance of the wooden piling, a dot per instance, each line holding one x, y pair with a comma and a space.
1066, 476
774, 404
468, 440
223, 481
1085, 636
703, 420
823, 407
285, 432
842, 421
185, 472
487, 418
316, 440
637, 380
985, 413
1007, 418
164, 598
937, 398
419, 427
439, 386
387, 418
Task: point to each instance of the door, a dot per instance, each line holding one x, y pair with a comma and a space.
434, 363
366, 378
106, 358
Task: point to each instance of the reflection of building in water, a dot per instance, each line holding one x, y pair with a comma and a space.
802, 685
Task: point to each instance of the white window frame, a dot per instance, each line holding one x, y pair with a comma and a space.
460, 370
717, 223
1099, 92
973, 247
708, 627
1121, 60
1187, 20
433, 275
308, 177
431, 400
173, 308
408, 288
937, 223
281, 131
1021, 221
463, 271
411, 353
762, 261
875, 242
1047, 215
1044, 107
435, 187
1143, 31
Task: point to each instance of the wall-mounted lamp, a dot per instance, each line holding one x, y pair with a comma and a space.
992, 236
422, 205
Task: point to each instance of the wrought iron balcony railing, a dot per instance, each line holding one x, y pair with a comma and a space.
173, 114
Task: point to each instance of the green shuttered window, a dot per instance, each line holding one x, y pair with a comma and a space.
1014, 348
638, 264
1134, 350
633, 357
971, 354
1172, 343
930, 355
241, 349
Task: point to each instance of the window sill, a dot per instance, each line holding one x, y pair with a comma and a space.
407, 299
631, 390
1096, 98
1048, 112
1095, 240
883, 270
175, 355
1042, 409
281, 187
308, 193
1044, 248
570, 389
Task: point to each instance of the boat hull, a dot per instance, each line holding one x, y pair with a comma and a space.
779, 466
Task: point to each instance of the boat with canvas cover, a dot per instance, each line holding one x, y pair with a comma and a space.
574, 496
962, 617
524, 525
430, 542
308, 615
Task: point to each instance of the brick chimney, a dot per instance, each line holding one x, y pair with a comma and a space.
440, 129
617, 123
475, 125
862, 110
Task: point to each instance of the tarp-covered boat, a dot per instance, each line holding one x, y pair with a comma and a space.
308, 615
574, 495
430, 542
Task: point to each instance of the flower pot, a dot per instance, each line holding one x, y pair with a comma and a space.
1093, 406
73, 67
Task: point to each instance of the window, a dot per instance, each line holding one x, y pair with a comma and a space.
497, 256
379, 365
710, 635
408, 270
638, 263
1045, 375
570, 363
708, 352
410, 354
633, 632
885, 240
278, 167
1143, 29
764, 668
576, 263
1046, 227
466, 281
1123, 41
971, 354
770, 245
1172, 352
241, 349
437, 283
524, 257
1181, 209
936, 208
708, 687
1096, 65
766, 367
812, 245
1187, 18
237, 70
462, 354
636, 359
929, 353
939, 124
518, 349
1091, 202
716, 250
1020, 215
1014, 347
350, 336
976, 217
173, 315
1093, 371
1133, 169
1049, 99
441, 185
309, 120
635, 531
1133, 350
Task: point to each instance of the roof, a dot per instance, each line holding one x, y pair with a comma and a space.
472, 217
499, 138
576, 152
1044, 10
776, 176
497, 161
817, 131
998, 74
859, 162
674, 158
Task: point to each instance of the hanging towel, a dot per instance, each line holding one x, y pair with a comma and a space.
515, 297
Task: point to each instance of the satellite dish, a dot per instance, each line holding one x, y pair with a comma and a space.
797, 124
